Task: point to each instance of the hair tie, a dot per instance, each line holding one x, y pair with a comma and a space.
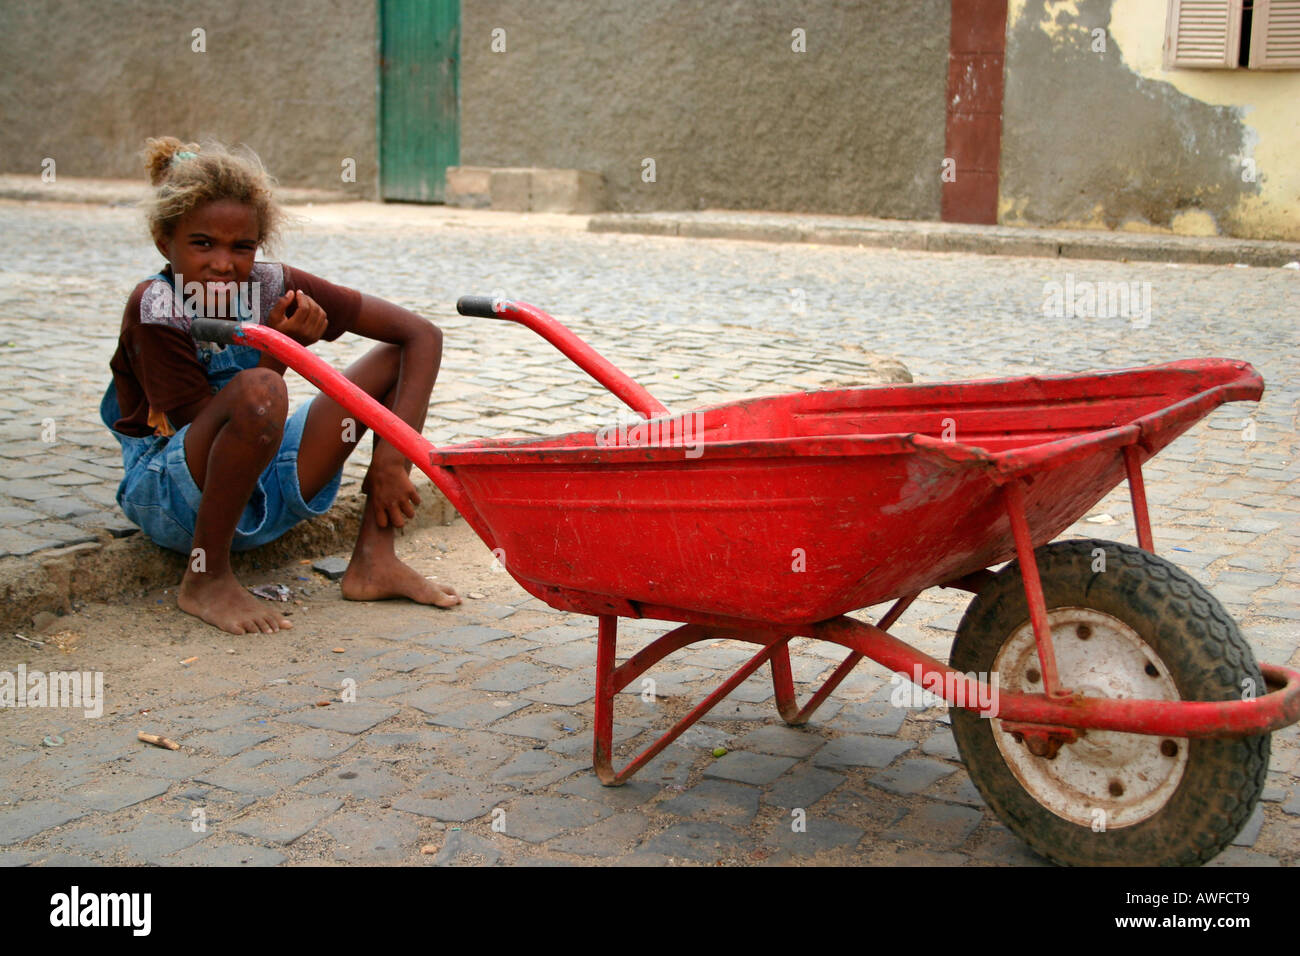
182, 154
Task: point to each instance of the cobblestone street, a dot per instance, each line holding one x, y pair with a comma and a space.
488, 707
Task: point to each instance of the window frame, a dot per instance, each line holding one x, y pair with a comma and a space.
1195, 22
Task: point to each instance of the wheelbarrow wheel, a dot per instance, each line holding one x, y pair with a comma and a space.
1125, 624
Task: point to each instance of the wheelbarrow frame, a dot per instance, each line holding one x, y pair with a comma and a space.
1054, 713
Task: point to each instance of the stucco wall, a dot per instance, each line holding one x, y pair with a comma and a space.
1111, 139
713, 92
86, 83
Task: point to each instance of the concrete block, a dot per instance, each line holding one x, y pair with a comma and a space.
469, 187
512, 190
567, 191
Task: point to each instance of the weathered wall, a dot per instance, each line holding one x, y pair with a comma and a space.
715, 95
1111, 139
711, 91
86, 83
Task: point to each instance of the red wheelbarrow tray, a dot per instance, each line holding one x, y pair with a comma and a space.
770, 518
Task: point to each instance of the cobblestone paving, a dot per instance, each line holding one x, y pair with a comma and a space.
491, 711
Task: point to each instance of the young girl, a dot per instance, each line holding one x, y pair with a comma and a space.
212, 465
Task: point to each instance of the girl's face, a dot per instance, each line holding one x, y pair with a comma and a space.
214, 243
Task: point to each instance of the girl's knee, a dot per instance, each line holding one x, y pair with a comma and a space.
260, 403
261, 386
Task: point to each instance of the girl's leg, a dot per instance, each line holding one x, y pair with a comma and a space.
329, 436
226, 448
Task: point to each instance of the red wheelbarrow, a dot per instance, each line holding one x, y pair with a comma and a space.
1105, 705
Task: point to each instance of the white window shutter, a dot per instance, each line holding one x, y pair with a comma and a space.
1203, 34
1275, 35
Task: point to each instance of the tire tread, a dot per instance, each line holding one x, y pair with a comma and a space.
1210, 651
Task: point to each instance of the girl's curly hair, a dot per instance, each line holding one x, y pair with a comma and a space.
186, 175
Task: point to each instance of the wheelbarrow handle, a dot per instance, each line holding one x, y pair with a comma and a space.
348, 394
329, 380
582, 354
220, 331
478, 305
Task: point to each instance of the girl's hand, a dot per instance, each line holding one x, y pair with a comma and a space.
392, 494
306, 325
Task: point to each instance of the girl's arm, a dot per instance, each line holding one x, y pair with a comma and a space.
388, 482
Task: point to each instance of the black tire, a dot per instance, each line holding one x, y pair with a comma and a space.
1205, 658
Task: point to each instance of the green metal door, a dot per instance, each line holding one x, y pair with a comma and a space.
419, 128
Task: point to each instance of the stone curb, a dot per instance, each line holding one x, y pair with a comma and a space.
953, 237
775, 227
114, 568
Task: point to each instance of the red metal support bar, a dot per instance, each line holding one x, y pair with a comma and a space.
783, 683
787, 705
608, 684
1279, 708
603, 732
1138, 494
652, 654
1233, 718
1014, 497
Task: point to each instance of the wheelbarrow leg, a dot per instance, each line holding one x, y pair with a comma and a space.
1015, 503
610, 680
783, 686
1138, 494
603, 744
783, 681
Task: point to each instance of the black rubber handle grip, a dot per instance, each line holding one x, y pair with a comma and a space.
220, 331
480, 305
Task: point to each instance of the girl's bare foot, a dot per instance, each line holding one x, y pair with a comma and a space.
375, 578
220, 600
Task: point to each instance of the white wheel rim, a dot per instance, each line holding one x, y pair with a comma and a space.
1105, 779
